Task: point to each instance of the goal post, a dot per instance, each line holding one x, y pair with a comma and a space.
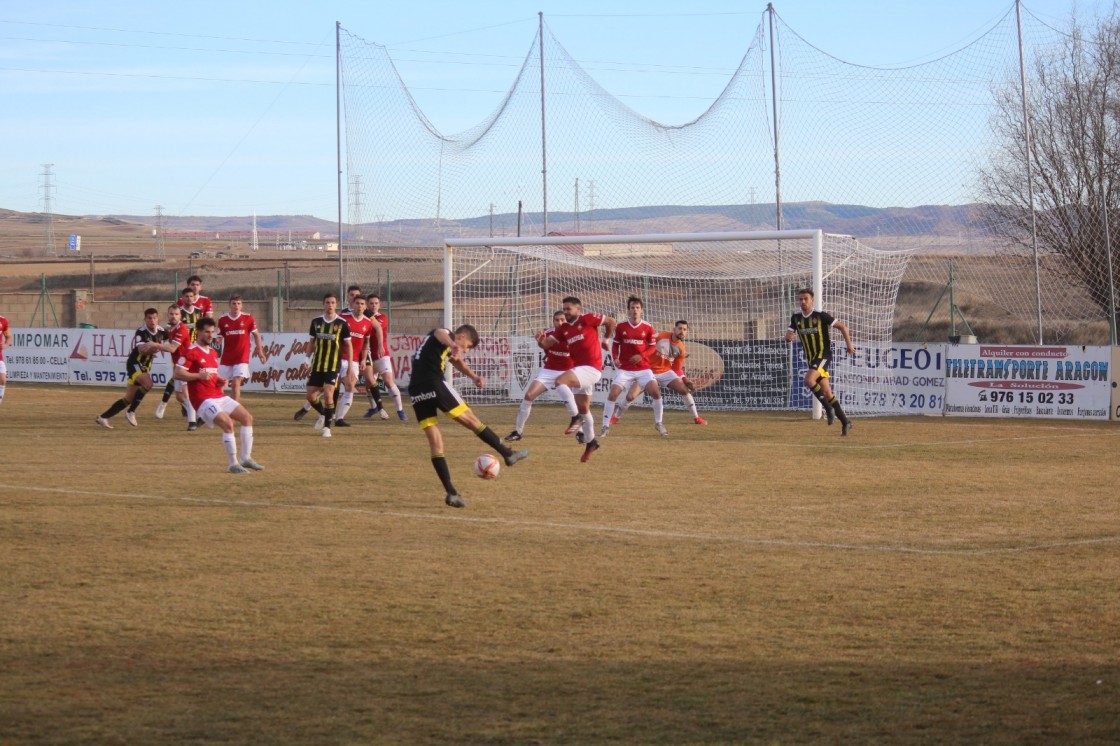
737, 290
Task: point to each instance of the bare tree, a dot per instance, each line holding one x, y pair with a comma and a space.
1074, 110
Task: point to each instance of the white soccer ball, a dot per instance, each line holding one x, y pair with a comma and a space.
666, 349
487, 467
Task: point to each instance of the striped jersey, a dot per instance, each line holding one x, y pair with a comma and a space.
327, 337
813, 331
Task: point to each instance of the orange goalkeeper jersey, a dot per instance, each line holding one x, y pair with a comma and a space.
658, 363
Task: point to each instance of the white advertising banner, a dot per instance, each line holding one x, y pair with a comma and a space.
910, 380
1054, 382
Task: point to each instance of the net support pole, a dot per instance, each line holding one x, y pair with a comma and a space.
1030, 170
818, 293
448, 294
544, 139
338, 146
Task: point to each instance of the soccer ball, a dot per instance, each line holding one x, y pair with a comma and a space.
666, 349
487, 467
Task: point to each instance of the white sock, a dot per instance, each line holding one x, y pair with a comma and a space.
246, 442
658, 409
588, 428
569, 399
608, 407
306, 406
2, 392
691, 405
344, 403
523, 414
192, 416
229, 443
396, 394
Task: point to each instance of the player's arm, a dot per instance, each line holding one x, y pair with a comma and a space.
462, 367
546, 341
258, 340
839, 325
382, 343
609, 325
6, 339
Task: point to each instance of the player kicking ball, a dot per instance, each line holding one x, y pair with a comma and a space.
431, 394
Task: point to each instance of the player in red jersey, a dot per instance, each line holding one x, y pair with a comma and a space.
235, 329
204, 305
580, 331
353, 360
557, 359
198, 366
634, 340
179, 337
667, 364
5, 341
379, 352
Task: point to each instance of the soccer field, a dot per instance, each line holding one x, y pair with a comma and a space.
760, 579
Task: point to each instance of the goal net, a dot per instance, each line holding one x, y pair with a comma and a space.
736, 290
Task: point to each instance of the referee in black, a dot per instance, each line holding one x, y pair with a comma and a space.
431, 394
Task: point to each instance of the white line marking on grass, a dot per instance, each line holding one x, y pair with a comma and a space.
591, 528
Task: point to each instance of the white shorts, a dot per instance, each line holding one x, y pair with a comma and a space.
3, 367
587, 376
180, 386
344, 369
623, 378
229, 372
212, 407
664, 379
383, 365
547, 377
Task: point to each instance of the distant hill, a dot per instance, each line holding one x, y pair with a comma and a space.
855, 220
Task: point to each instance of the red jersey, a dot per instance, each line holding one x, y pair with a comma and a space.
379, 350
557, 357
180, 334
582, 338
3, 328
361, 330
195, 360
236, 332
633, 339
203, 304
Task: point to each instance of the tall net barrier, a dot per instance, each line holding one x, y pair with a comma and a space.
919, 158
736, 291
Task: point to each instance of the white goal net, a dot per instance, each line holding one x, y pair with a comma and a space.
736, 290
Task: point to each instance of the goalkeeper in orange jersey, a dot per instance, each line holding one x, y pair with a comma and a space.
813, 328
667, 364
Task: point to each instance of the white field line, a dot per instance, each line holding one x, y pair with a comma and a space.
588, 527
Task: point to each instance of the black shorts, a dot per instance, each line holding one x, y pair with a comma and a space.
319, 378
429, 401
134, 371
821, 365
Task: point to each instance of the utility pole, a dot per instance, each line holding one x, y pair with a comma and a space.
355, 206
159, 232
577, 204
591, 196
48, 214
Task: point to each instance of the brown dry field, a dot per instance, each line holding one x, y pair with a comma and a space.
759, 580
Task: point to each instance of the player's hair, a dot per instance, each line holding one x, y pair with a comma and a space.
150, 311
330, 295
205, 323
172, 307
371, 296
235, 297
573, 301
184, 291
194, 278
807, 290
470, 331
678, 322
352, 288
632, 300
556, 313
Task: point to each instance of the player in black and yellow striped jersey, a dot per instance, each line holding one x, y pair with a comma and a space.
330, 335
150, 339
813, 328
431, 394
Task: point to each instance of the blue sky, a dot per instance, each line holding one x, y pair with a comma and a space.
211, 108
